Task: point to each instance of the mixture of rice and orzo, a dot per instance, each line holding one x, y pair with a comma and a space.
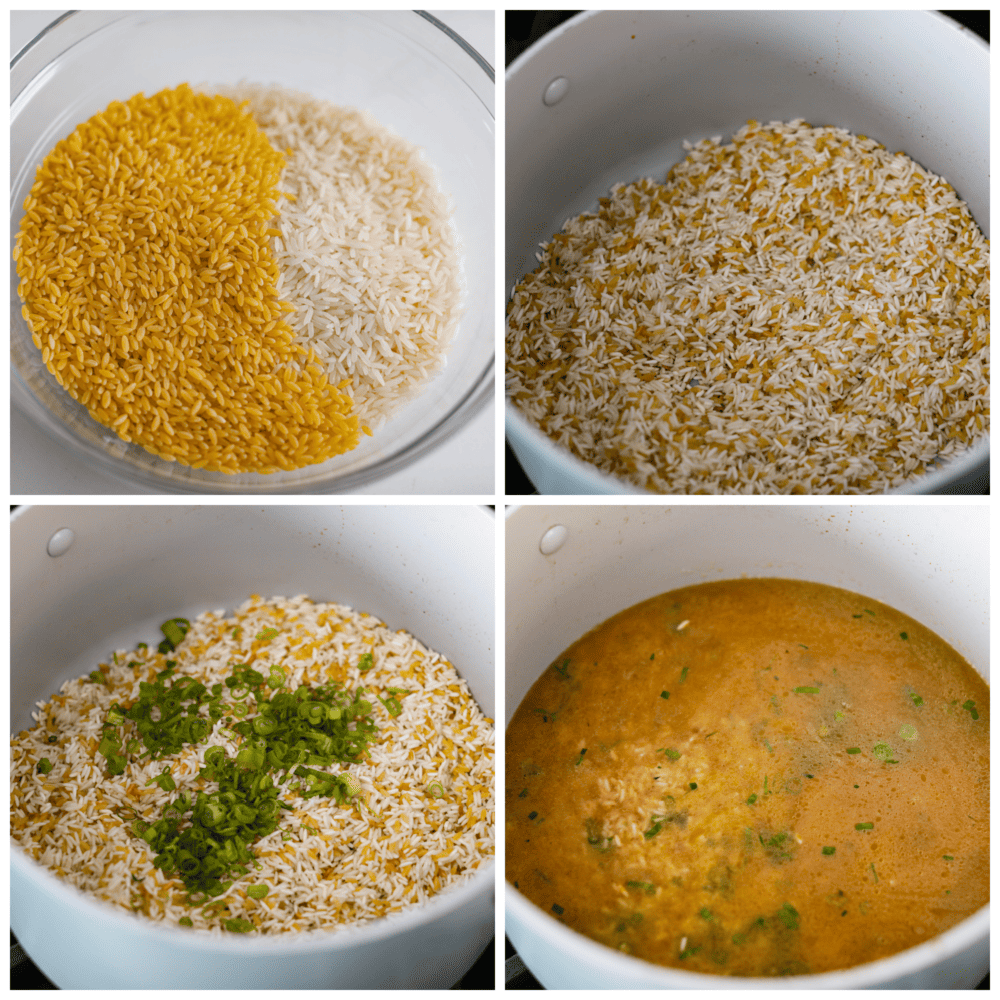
293, 767
799, 311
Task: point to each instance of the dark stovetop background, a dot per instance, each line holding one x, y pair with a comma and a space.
523, 27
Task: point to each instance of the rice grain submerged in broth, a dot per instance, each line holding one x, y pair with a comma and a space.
753, 778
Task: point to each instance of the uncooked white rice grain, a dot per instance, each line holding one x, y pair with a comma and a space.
368, 253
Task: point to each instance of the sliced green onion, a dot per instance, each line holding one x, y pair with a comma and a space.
864, 826
392, 705
186, 922
806, 690
257, 891
647, 887
789, 916
205, 839
970, 707
97, 677
829, 850
277, 678
854, 749
266, 635
173, 631
264, 726
43, 766
164, 780
366, 662
655, 828
435, 790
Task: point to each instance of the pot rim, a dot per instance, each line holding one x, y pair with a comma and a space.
620, 968
68, 896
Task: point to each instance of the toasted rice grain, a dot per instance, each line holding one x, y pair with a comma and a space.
798, 312
344, 865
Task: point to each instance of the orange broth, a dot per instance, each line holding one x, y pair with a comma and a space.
753, 778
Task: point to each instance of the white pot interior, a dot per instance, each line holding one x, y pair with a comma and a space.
930, 562
428, 570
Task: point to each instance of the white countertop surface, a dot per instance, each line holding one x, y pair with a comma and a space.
464, 464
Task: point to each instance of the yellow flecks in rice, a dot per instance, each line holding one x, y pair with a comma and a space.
149, 286
796, 312
393, 848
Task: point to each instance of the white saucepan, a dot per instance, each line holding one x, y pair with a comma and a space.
570, 568
610, 96
89, 580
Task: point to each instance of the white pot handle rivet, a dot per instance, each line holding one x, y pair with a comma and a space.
60, 542
553, 539
556, 91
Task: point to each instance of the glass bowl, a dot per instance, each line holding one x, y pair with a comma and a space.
413, 73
